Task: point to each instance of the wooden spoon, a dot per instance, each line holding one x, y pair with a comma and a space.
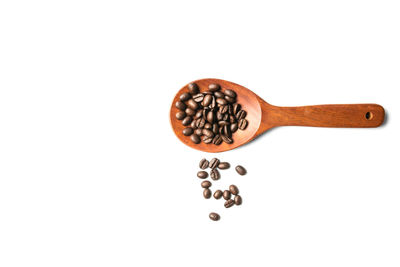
263, 116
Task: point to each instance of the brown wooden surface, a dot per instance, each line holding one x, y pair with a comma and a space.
263, 116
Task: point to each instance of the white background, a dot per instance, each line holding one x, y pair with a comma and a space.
92, 175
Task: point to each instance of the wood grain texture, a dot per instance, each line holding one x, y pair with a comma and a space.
263, 116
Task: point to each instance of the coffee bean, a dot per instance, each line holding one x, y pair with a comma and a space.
199, 132
186, 121
199, 113
214, 174
234, 127
243, 124
224, 165
210, 117
219, 115
193, 104
180, 105
238, 200
207, 92
195, 138
185, 97
198, 97
207, 193
227, 139
229, 203
218, 194
223, 109
214, 87
222, 123
193, 124
202, 174
208, 126
208, 133
214, 163
230, 110
215, 128
206, 184
190, 112
239, 169
241, 114
207, 139
230, 93
213, 103
207, 100
219, 94
217, 140
221, 101
214, 216
226, 195
230, 99
200, 123
233, 189
203, 164
180, 115
226, 117
193, 88
232, 119
236, 108
187, 131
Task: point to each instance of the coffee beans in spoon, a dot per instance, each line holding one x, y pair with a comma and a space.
212, 113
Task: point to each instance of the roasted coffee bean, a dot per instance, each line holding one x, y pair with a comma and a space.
230, 110
215, 128
210, 117
226, 117
214, 174
193, 124
239, 169
214, 163
198, 98
230, 99
214, 87
200, 123
222, 123
208, 126
205, 112
227, 139
223, 109
202, 174
199, 113
207, 193
195, 138
238, 200
214, 216
219, 94
241, 114
203, 164
234, 127
186, 121
229, 203
213, 103
232, 119
180, 115
207, 100
236, 108
217, 140
180, 105
243, 124
199, 132
221, 101
233, 189
187, 131
224, 165
230, 93
207, 93
192, 104
185, 97
218, 194
207, 139
226, 195
208, 133
193, 88
206, 184
190, 112
219, 116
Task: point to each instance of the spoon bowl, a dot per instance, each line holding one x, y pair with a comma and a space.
263, 116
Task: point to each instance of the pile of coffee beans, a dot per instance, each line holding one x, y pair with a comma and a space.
230, 195
211, 116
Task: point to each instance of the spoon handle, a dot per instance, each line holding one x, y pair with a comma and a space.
347, 115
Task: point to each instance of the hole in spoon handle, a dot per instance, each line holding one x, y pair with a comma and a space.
345, 115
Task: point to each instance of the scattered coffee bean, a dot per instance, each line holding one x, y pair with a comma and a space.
214, 174
199, 132
230, 93
234, 127
219, 94
236, 108
214, 163
229, 203
203, 164
243, 124
207, 139
208, 133
241, 114
190, 112
206, 184
233, 189
207, 126
226, 195
187, 131
226, 139
214, 87
202, 174
207, 100
238, 200
186, 121
224, 165
214, 216
180, 105
185, 97
198, 98
239, 169
218, 194
217, 140
207, 193
230, 99
180, 115
195, 138
193, 104
193, 88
